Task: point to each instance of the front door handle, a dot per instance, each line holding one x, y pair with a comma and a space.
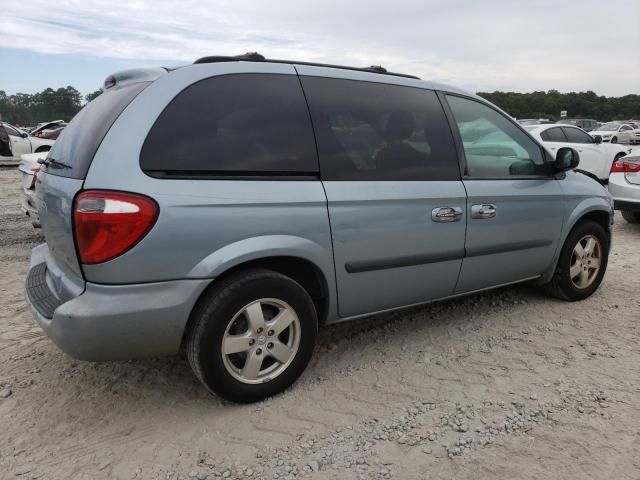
483, 210
446, 214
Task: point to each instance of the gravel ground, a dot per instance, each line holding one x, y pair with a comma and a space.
508, 384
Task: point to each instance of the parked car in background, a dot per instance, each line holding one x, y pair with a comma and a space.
585, 124
197, 213
595, 157
635, 136
29, 167
53, 132
43, 126
20, 142
624, 186
534, 121
614, 132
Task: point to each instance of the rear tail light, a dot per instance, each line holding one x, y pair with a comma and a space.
625, 166
108, 224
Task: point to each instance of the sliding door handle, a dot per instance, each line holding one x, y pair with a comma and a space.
484, 210
446, 214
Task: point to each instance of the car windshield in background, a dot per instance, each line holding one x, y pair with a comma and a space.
610, 126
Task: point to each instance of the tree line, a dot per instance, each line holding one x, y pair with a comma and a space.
64, 103
29, 109
578, 105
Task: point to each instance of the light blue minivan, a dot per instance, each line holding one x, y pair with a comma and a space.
232, 206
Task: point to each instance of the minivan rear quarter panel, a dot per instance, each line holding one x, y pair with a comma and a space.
205, 227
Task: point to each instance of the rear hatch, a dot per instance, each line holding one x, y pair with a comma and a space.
62, 177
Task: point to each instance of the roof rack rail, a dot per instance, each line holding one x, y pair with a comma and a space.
256, 57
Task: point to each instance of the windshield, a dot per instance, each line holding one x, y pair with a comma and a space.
610, 126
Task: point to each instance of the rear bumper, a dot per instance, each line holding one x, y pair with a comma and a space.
627, 206
114, 322
626, 195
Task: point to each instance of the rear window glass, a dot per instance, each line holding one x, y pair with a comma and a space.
375, 131
79, 141
238, 125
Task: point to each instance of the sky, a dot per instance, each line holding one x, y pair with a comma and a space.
478, 45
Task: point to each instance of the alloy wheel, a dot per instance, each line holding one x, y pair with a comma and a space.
261, 341
585, 261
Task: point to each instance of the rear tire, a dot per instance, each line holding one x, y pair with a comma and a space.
232, 311
631, 217
567, 282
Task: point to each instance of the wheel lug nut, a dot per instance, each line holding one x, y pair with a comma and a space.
252, 341
270, 332
269, 345
259, 351
259, 330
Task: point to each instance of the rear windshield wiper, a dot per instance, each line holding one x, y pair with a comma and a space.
52, 162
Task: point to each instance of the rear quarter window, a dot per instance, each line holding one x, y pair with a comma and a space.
233, 125
553, 135
79, 141
577, 136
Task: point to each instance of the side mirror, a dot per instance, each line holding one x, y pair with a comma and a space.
567, 159
597, 139
24, 135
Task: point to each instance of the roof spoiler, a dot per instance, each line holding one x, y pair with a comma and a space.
133, 75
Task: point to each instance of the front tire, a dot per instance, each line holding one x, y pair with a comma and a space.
252, 335
631, 217
614, 140
582, 263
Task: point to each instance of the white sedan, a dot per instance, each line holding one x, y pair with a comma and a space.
21, 142
595, 157
614, 132
624, 186
29, 167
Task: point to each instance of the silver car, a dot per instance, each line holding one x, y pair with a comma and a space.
233, 206
624, 186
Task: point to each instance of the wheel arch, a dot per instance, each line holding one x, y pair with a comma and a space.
594, 209
303, 260
303, 271
601, 217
